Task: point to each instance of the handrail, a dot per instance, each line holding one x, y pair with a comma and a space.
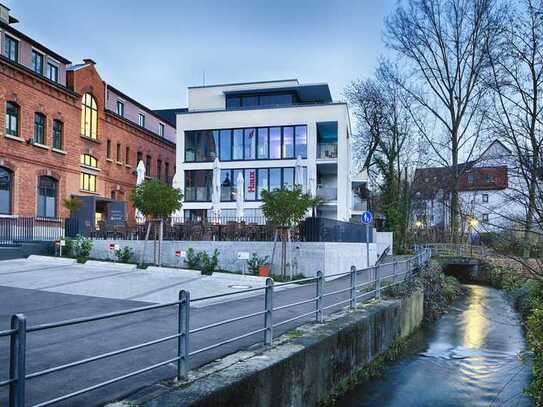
393, 273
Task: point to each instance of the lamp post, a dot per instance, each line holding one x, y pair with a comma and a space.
418, 226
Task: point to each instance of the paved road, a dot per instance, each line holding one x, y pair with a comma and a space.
50, 348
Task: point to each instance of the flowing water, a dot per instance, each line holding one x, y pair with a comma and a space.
470, 357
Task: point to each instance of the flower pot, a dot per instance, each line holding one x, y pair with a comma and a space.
264, 271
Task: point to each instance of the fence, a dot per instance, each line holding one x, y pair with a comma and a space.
356, 285
14, 230
330, 230
457, 250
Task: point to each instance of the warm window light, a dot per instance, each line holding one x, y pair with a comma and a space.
473, 222
419, 224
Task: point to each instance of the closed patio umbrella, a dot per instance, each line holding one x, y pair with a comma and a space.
240, 196
140, 177
299, 174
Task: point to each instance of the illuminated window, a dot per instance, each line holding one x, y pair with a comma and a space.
89, 116
89, 160
87, 182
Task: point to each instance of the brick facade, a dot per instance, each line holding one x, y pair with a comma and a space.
27, 161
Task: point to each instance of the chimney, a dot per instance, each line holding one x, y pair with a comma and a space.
89, 61
5, 17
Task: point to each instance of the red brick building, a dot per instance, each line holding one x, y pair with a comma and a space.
65, 132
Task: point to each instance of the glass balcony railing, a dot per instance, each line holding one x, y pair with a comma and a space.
327, 193
326, 151
359, 204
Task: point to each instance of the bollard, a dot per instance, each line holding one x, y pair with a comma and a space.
268, 316
353, 287
17, 361
378, 281
183, 328
320, 288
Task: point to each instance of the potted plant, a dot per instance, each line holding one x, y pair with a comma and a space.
259, 265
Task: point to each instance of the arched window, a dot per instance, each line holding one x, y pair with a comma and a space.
89, 160
6, 187
89, 116
47, 197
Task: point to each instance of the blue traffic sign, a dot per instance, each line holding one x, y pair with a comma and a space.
366, 217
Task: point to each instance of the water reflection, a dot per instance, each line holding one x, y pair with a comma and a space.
470, 357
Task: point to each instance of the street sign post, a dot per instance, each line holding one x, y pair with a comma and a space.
366, 219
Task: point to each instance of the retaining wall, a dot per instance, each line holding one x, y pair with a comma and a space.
295, 373
307, 257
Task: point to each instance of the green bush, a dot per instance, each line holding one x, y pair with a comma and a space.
202, 261
255, 262
81, 247
124, 255
193, 259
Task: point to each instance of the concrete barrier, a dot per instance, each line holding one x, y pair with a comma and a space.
294, 373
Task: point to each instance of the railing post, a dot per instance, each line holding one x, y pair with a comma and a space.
394, 271
353, 287
183, 327
320, 289
17, 361
377, 281
268, 316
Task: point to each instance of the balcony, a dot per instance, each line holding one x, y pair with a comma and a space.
326, 151
327, 193
359, 204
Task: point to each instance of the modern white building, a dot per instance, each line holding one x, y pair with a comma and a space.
259, 129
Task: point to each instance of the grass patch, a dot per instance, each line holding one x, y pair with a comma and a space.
295, 333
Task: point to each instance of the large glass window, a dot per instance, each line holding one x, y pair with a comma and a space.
249, 180
87, 182
275, 142
37, 62
11, 48
262, 176
198, 185
148, 160
288, 142
237, 144
39, 128
12, 119
89, 116
263, 143
272, 99
250, 144
226, 145
57, 134
47, 197
6, 186
227, 185
52, 72
120, 108
275, 179
141, 119
327, 140
301, 141
88, 160
288, 178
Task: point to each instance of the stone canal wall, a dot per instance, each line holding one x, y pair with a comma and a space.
295, 372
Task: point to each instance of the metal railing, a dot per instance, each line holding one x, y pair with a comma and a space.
457, 250
359, 286
19, 229
326, 151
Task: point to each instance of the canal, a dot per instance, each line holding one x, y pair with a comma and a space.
469, 357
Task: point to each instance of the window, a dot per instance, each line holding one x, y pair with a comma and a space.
6, 186
37, 62
127, 155
327, 140
237, 144
148, 166
226, 145
120, 108
108, 149
471, 179
301, 141
485, 217
490, 178
118, 153
262, 183
281, 99
275, 142
139, 157
288, 142
201, 145
141, 120
160, 129
250, 144
288, 178
39, 128
47, 197
89, 160
158, 169
167, 172
227, 185
249, 181
57, 134
275, 179
198, 185
52, 72
12, 119
262, 143
485, 198
89, 116
87, 182
11, 48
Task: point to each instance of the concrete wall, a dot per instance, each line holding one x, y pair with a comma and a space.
301, 372
307, 259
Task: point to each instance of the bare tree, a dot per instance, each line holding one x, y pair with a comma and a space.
517, 83
443, 45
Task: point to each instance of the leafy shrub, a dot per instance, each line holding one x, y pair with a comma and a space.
255, 262
124, 255
81, 247
202, 261
193, 259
